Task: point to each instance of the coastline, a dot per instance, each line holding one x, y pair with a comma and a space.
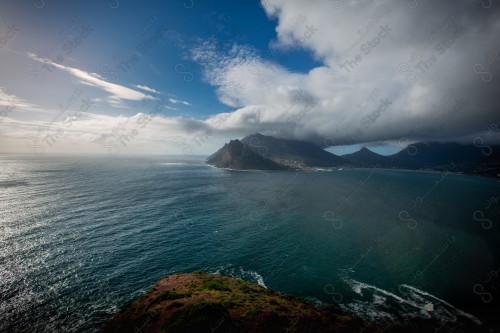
336, 169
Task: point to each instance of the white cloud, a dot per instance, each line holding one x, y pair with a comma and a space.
374, 97
85, 132
116, 91
361, 92
11, 103
178, 101
148, 89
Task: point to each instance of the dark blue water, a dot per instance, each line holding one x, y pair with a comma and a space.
81, 237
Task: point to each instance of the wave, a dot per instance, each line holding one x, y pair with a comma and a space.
458, 311
378, 305
240, 273
12, 183
358, 288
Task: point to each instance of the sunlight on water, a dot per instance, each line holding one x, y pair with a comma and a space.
81, 238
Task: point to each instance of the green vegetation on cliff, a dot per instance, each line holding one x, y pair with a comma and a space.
202, 302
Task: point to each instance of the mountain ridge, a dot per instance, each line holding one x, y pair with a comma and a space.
261, 152
293, 153
239, 156
367, 157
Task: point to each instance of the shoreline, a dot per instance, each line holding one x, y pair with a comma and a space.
333, 169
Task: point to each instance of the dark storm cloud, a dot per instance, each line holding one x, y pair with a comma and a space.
412, 70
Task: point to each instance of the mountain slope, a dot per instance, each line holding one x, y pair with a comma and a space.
292, 152
449, 156
260, 152
236, 155
366, 157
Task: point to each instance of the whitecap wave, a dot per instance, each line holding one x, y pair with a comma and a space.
458, 311
368, 312
379, 305
240, 273
379, 299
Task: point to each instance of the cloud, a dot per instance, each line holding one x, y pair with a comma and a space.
86, 132
388, 72
11, 103
148, 89
178, 101
117, 92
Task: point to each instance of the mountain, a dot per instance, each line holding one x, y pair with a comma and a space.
239, 156
484, 160
293, 153
366, 157
260, 152
453, 157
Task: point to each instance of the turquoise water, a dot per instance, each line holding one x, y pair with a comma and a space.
81, 237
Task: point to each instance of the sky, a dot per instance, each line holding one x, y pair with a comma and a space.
185, 76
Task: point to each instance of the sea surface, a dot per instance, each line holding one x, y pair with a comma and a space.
80, 237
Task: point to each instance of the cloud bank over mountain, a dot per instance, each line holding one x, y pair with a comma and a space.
415, 70
369, 73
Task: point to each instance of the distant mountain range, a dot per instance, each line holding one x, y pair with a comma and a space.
436, 156
260, 152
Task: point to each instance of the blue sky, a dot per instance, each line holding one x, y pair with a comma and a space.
142, 76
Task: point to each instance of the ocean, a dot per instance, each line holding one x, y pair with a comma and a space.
81, 237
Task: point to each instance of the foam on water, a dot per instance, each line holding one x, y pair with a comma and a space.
377, 299
458, 311
240, 273
415, 303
